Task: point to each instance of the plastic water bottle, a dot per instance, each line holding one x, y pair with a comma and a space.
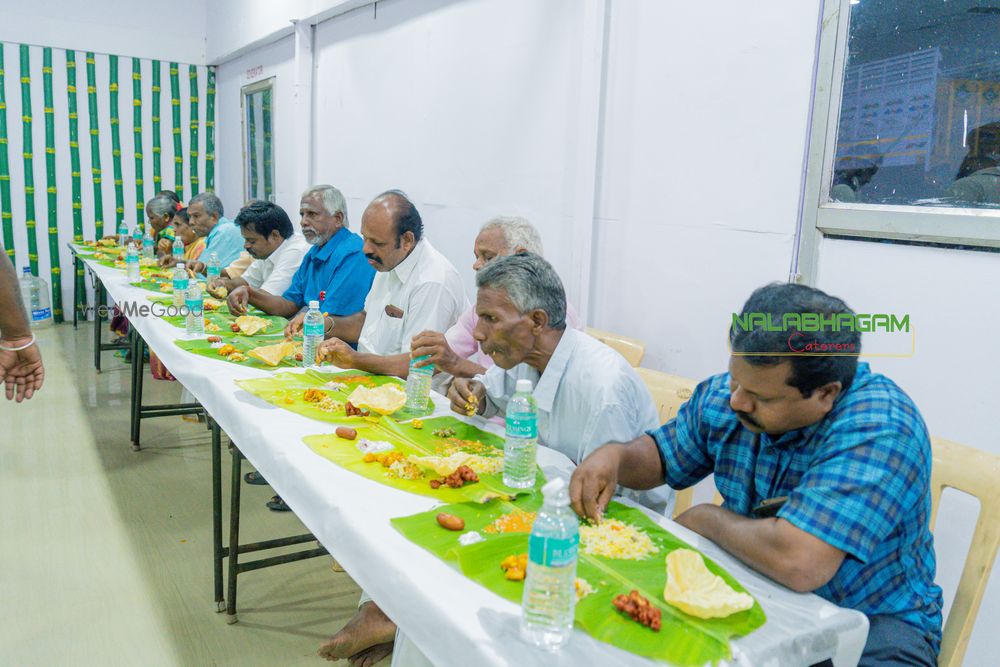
132, 262
148, 244
180, 284
213, 269
550, 584
178, 249
195, 310
35, 295
418, 385
123, 235
137, 237
312, 335
521, 446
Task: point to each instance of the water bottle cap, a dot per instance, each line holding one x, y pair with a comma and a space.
180, 265
314, 305
553, 487
27, 269
524, 385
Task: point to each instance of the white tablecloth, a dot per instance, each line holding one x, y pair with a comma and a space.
452, 620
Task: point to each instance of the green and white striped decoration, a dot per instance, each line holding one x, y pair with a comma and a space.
6, 212
193, 145
140, 190
74, 159
29, 165
95, 147
50, 185
210, 131
175, 109
116, 143
157, 178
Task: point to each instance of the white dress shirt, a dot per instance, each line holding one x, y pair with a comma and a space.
274, 274
428, 290
587, 396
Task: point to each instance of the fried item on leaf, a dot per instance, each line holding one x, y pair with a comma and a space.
273, 354
692, 588
251, 324
384, 400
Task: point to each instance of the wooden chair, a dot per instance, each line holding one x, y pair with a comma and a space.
977, 473
669, 393
631, 348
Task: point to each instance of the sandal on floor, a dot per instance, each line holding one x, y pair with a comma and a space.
276, 504
254, 477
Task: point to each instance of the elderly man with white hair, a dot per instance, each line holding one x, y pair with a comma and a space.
335, 266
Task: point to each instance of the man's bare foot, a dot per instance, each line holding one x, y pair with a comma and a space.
370, 626
371, 656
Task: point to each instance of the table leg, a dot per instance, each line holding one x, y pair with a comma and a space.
218, 553
98, 302
138, 353
77, 279
234, 533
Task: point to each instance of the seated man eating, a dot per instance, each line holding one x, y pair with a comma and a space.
416, 288
334, 266
456, 352
277, 251
222, 237
824, 467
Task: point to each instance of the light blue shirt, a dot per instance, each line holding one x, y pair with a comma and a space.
587, 396
225, 240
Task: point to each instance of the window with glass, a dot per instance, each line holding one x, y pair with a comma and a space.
919, 120
258, 151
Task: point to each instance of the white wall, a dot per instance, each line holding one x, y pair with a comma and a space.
470, 105
173, 31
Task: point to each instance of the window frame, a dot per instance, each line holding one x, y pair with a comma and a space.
976, 227
245, 92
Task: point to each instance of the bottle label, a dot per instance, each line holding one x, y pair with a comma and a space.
213, 271
180, 284
313, 329
522, 426
194, 306
178, 252
39, 314
553, 551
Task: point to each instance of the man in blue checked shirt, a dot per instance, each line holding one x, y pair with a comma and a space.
824, 467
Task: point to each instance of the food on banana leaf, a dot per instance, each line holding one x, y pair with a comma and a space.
613, 538
692, 588
219, 292
272, 355
251, 324
515, 567
639, 609
583, 588
449, 464
517, 521
385, 399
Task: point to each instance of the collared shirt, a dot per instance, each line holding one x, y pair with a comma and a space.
462, 342
273, 274
859, 479
225, 240
587, 396
425, 288
339, 268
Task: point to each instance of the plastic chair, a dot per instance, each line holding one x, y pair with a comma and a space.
631, 348
977, 473
669, 393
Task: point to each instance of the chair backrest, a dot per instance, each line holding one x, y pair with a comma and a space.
632, 349
977, 473
669, 393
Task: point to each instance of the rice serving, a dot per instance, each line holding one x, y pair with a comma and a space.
616, 539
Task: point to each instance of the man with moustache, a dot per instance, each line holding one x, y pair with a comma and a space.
270, 239
416, 289
824, 467
334, 265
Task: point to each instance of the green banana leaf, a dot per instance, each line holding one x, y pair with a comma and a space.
244, 344
285, 390
346, 454
682, 639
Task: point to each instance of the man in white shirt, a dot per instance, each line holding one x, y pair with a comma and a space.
268, 236
587, 393
416, 288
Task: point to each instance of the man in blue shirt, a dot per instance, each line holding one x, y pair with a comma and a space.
335, 264
223, 237
824, 467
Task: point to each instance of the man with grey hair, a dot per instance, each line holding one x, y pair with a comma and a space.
223, 238
456, 351
334, 266
587, 393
